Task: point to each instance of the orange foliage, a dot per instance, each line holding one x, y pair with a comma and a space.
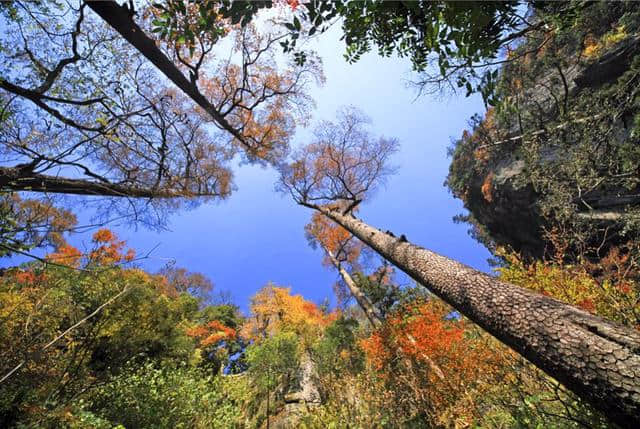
103, 236
378, 354
36, 212
212, 333
487, 186
418, 331
607, 288
484, 133
130, 255
28, 277
591, 46
430, 334
110, 249
66, 255
274, 309
401, 349
333, 238
264, 103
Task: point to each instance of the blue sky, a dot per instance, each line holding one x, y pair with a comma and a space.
257, 235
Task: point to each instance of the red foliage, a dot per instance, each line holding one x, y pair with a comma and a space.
25, 277
110, 249
428, 333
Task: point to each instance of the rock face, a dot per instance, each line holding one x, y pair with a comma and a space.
511, 218
308, 393
296, 403
563, 154
609, 66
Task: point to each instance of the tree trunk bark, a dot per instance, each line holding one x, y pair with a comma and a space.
16, 179
371, 311
596, 359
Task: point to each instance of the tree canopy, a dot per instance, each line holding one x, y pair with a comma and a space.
126, 112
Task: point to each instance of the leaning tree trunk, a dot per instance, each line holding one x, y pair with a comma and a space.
596, 359
121, 19
17, 179
373, 313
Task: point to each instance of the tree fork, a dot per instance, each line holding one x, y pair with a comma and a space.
597, 360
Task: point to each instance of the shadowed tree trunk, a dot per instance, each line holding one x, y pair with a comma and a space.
17, 179
596, 359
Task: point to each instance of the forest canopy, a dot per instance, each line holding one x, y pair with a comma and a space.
121, 115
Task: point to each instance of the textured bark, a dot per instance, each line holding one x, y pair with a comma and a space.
16, 179
596, 359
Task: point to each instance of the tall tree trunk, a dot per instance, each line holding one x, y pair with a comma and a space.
17, 179
373, 313
596, 359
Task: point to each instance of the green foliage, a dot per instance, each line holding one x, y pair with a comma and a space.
42, 303
382, 293
273, 365
613, 294
337, 352
216, 357
417, 29
452, 38
91, 329
144, 396
273, 362
227, 314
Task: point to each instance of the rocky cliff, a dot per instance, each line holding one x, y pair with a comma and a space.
556, 165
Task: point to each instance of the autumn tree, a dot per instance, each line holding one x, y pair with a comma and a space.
337, 171
180, 280
340, 249
216, 330
274, 309
70, 323
90, 116
282, 328
425, 395
251, 101
29, 223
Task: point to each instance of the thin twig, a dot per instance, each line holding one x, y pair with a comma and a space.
71, 328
